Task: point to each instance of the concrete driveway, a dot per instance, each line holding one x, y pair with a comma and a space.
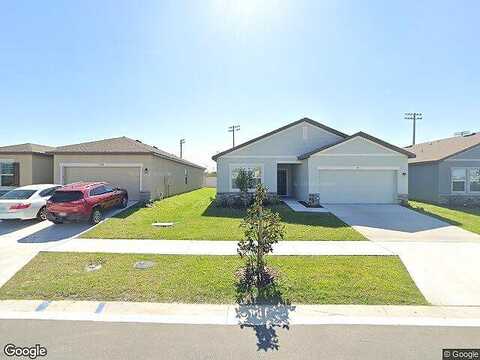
20, 241
397, 223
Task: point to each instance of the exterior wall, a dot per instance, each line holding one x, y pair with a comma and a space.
423, 182
357, 154
466, 159
300, 181
167, 178
290, 141
211, 181
164, 177
25, 161
42, 169
284, 146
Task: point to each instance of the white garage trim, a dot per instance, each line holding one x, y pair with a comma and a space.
105, 165
358, 168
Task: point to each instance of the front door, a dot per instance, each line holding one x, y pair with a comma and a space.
282, 182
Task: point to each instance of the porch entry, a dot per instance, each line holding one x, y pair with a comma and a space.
282, 188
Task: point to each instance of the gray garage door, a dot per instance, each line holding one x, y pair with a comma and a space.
123, 177
358, 186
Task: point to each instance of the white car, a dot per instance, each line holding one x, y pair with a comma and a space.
26, 202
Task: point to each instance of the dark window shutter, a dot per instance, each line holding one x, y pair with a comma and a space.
16, 174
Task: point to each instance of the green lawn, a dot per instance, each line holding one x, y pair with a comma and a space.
468, 219
196, 218
210, 279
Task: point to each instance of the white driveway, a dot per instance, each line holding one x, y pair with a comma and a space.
396, 223
441, 258
20, 241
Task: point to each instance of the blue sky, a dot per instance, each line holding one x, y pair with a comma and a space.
164, 70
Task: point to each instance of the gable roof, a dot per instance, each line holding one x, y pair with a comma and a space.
365, 136
27, 148
307, 120
442, 149
119, 145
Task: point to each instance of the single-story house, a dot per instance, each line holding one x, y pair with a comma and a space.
315, 163
145, 171
446, 171
25, 164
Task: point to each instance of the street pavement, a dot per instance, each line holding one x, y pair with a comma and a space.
98, 340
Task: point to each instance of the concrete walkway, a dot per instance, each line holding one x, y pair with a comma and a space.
205, 247
234, 314
397, 223
298, 207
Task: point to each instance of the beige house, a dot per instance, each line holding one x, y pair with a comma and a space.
145, 171
25, 164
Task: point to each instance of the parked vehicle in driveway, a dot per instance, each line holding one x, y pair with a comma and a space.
27, 202
84, 201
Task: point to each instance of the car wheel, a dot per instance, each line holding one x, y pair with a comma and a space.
42, 214
96, 216
124, 202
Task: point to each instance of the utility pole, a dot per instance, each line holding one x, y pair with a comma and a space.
182, 141
414, 117
232, 129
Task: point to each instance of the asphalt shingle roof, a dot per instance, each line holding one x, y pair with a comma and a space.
438, 150
27, 148
119, 145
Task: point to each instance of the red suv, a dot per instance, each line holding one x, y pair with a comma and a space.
84, 201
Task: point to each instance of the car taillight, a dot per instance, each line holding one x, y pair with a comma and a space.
19, 206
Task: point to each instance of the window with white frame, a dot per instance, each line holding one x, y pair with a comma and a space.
459, 180
255, 170
474, 179
7, 174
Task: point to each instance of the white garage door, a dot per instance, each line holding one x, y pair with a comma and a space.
123, 177
358, 186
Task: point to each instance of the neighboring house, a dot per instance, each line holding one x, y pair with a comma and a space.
315, 163
145, 171
25, 164
446, 171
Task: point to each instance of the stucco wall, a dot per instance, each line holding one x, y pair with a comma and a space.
362, 154
284, 146
154, 181
300, 181
42, 169
25, 161
423, 182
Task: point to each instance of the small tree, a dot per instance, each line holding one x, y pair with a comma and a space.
262, 229
244, 181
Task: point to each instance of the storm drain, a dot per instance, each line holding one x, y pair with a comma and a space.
93, 267
143, 265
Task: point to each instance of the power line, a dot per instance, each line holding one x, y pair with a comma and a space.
414, 117
232, 129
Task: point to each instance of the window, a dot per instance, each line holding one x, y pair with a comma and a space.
66, 196
9, 174
474, 179
107, 189
459, 180
98, 191
48, 192
18, 194
256, 172
186, 176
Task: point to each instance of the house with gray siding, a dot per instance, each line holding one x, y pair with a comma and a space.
315, 163
446, 171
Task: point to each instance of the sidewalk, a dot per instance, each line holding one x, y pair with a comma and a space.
205, 247
233, 314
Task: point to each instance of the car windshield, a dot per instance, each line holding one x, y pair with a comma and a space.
18, 195
66, 196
